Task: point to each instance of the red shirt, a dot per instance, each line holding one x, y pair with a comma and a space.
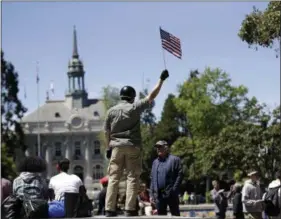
144, 196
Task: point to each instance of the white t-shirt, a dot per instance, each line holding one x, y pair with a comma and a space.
64, 182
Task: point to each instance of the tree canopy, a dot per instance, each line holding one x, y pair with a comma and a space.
148, 125
262, 28
230, 130
110, 96
214, 127
12, 110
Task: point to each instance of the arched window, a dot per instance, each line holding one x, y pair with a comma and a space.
36, 149
96, 114
77, 151
97, 172
96, 147
58, 152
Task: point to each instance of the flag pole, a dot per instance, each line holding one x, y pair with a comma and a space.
38, 114
142, 81
25, 96
163, 51
164, 58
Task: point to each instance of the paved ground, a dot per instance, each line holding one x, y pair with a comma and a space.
147, 217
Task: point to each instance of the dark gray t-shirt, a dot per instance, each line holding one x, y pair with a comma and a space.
123, 123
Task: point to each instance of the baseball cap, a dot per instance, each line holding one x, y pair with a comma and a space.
253, 172
104, 180
160, 143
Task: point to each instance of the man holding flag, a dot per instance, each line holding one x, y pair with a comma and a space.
123, 141
123, 136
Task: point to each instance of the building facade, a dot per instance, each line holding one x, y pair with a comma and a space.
69, 128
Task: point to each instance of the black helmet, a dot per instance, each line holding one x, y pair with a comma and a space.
127, 93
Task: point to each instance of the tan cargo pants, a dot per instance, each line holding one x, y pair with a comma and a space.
129, 158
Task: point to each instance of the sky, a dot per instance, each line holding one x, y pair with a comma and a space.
119, 44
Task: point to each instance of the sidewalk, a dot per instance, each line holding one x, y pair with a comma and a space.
147, 217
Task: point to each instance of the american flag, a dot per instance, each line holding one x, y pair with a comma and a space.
171, 43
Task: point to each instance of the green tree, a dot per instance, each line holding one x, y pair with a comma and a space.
110, 96
183, 147
8, 167
262, 28
12, 110
231, 132
210, 103
147, 117
148, 124
169, 126
243, 146
148, 152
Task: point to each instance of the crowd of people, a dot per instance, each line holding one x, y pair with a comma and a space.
31, 195
248, 199
64, 195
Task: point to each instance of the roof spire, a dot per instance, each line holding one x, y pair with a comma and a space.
75, 48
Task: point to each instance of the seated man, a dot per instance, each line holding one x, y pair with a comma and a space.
63, 182
67, 188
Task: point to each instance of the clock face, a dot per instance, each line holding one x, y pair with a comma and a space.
76, 121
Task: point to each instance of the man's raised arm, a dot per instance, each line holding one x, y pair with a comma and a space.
151, 96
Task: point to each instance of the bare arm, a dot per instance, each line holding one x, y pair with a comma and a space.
145, 103
155, 91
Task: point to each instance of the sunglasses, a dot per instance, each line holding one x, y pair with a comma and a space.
159, 146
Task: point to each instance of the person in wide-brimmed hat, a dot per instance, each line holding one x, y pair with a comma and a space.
252, 196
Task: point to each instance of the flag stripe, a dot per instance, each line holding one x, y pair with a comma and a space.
174, 53
171, 43
172, 50
176, 48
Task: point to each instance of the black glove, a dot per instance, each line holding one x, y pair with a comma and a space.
108, 153
164, 75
